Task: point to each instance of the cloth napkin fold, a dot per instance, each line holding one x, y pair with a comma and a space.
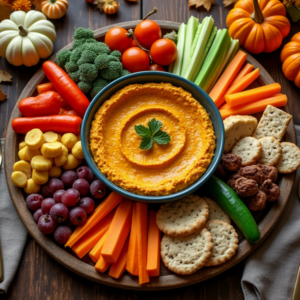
270, 272
13, 234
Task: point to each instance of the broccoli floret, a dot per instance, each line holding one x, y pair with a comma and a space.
113, 71
78, 43
85, 86
88, 72
83, 33
71, 66
98, 48
117, 54
102, 61
124, 73
75, 55
98, 85
63, 57
75, 76
90, 41
87, 56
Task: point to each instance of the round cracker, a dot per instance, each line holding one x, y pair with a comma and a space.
215, 211
249, 149
182, 217
271, 151
225, 240
290, 159
186, 254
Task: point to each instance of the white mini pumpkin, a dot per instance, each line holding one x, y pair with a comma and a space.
26, 37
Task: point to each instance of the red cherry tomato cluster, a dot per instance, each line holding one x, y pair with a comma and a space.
150, 44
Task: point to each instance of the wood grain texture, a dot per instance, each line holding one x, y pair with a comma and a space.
39, 276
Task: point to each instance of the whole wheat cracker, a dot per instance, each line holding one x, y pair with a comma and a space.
237, 127
290, 159
182, 217
271, 151
273, 122
249, 149
215, 211
225, 240
186, 254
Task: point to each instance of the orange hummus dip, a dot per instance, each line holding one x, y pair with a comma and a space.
164, 169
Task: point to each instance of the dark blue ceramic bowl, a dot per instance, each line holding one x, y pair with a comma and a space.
144, 77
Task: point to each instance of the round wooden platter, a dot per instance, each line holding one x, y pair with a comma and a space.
167, 280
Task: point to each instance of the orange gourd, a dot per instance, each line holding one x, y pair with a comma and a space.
110, 7
259, 25
290, 57
54, 9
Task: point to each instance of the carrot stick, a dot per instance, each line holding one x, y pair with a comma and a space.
132, 259
117, 232
142, 215
118, 268
45, 87
153, 250
102, 265
254, 107
241, 84
95, 253
261, 92
88, 241
227, 77
97, 215
246, 70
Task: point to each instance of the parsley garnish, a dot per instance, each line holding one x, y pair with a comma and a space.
153, 132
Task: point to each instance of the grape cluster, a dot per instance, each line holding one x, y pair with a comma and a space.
66, 202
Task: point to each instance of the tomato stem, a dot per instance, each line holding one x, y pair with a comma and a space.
151, 13
257, 15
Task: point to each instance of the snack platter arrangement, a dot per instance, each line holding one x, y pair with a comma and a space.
101, 251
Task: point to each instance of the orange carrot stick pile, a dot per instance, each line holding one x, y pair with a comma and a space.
246, 70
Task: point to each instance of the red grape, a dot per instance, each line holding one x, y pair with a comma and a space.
87, 204
70, 197
62, 234
46, 191
46, 224
77, 215
97, 189
47, 204
85, 173
59, 212
37, 214
34, 201
55, 184
68, 177
82, 186
57, 195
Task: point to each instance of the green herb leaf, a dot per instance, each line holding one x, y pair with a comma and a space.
147, 143
161, 138
154, 126
142, 130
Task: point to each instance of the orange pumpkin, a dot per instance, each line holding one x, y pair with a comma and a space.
54, 9
259, 25
111, 7
290, 57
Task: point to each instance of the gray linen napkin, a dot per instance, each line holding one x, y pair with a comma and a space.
13, 234
270, 272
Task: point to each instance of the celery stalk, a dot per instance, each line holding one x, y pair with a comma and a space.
231, 51
180, 49
191, 28
197, 55
213, 59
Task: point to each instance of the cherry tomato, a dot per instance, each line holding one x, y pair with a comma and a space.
156, 67
134, 44
163, 52
135, 60
147, 32
116, 39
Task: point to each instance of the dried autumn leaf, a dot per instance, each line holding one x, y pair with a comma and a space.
205, 3
5, 9
36, 4
2, 95
229, 2
5, 77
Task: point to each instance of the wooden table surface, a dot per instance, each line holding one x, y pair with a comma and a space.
39, 276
